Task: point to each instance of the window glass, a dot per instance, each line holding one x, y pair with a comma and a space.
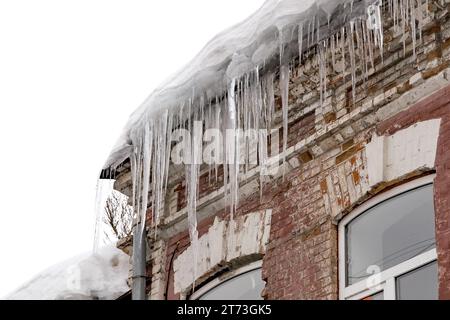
389, 233
247, 286
419, 284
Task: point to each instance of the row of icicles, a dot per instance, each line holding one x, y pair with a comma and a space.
249, 103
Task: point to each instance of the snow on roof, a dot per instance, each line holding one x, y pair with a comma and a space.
99, 276
250, 44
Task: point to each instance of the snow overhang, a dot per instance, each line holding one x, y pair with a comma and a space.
254, 43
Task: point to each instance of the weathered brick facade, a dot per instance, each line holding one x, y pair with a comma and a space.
329, 171
437, 106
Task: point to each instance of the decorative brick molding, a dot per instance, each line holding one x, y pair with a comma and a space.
392, 157
226, 243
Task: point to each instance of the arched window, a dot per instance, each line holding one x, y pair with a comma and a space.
241, 284
387, 247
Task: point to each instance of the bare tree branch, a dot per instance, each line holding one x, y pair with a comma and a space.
118, 217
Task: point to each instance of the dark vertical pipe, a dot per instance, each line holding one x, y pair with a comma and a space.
139, 263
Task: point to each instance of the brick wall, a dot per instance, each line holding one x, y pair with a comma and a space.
436, 106
327, 172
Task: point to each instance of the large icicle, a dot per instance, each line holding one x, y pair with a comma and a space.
374, 22
300, 42
351, 44
104, 190
231, 146
284, 90
147, 144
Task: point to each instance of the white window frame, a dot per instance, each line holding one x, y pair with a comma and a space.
224, 278
385, 279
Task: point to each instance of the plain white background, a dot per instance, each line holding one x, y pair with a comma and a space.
71, 72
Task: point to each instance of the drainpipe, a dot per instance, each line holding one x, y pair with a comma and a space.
139, 266
139, 263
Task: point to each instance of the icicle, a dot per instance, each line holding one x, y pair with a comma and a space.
160, 164
269, 100
403, 8
420, 19
325, 68
333, 50
192, 174
281, 44
343, 48
231, 166
318, 31
374, 23
300, 42
134, 164
104, 190
395, 13
312, 30
284, 90
361, 53
208, 121
262, 155
413, 26
308, 33
191, 188
258, 118
245, 105
147, 145
368, 41
352, 59
321, 72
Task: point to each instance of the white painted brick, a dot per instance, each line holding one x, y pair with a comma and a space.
415, 78
225, 241
390, 92
410, 149
379, 99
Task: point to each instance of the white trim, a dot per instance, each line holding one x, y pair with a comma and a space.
387, 277
367, 293
390, 274
390, 293
223, 278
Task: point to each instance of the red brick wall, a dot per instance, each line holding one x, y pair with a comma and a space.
434, 107
302, 257
301, 261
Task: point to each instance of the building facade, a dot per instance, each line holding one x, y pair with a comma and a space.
360, 209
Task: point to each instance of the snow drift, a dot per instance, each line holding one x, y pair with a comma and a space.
94, 276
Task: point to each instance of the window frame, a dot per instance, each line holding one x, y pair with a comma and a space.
387, 278
217, 281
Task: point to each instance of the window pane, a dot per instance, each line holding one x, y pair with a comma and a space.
247, 286
391, 232
420, 284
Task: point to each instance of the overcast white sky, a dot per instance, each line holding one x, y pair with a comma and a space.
71, 72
